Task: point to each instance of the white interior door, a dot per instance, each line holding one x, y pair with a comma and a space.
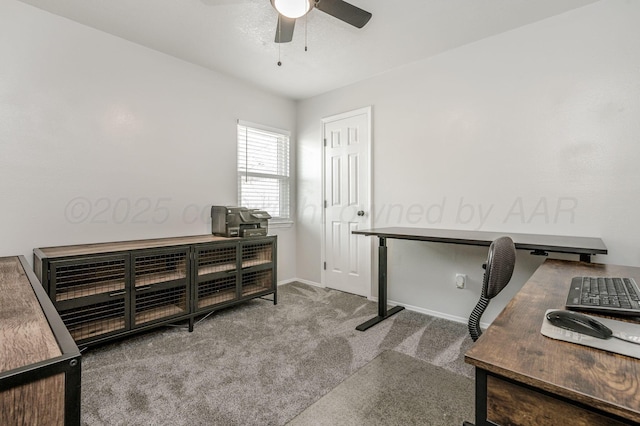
347, 155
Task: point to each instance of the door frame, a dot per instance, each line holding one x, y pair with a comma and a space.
368, 111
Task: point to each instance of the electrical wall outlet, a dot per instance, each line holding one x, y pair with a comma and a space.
461, 280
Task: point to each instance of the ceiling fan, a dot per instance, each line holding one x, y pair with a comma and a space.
290, 10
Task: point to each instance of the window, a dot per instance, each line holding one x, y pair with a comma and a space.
263, 170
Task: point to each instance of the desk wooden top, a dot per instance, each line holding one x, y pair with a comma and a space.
25, 335
513, 347
550, 243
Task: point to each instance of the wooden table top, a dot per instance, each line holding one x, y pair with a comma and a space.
25, 335
513, 346
552, 243
96, 248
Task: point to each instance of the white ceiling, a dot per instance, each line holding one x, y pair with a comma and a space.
236, 37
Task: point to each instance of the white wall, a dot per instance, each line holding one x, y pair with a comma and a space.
533, 131
104, 140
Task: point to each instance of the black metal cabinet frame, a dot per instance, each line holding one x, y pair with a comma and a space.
91, 294
215, 275
257, 265
161, 284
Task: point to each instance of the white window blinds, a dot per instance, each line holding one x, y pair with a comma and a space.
263, 170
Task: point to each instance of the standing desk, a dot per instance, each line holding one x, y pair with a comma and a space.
538, 244
525, 378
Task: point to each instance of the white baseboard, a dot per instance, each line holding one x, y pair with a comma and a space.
430, 312
299, 280
436, 314
418, 309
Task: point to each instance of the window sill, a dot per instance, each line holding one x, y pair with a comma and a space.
281, 224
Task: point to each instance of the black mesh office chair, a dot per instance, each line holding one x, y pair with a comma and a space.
498, 270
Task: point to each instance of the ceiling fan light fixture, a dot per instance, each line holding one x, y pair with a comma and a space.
292, 8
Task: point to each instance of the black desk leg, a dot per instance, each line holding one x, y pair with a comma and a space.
481, 397
382, 290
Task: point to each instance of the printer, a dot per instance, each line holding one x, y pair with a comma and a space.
238, 221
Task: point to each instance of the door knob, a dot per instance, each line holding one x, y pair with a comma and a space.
360, 213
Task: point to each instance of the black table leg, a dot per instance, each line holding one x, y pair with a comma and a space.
383, 313
481, 397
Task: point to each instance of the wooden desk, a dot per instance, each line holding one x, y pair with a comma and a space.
538, 244
525, 378
39, 362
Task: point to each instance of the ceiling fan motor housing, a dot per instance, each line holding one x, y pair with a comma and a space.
292, 8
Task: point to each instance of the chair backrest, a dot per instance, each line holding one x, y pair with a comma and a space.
498, 271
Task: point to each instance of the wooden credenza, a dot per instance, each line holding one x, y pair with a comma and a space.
106, 291
39, 361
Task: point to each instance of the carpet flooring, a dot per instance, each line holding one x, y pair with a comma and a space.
260, 364
394, 389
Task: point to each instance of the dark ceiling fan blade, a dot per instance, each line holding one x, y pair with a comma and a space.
284, 30
345, 12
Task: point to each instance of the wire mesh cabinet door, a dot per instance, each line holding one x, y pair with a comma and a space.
90, 293
216, 275
160, 285
258, 267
